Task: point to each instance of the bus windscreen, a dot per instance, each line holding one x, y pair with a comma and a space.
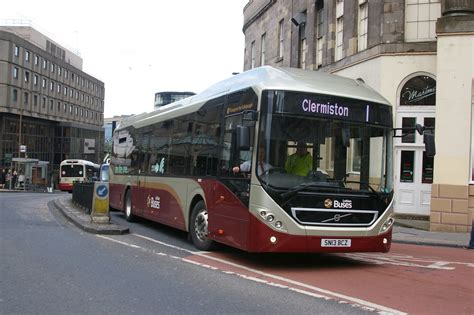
72, 171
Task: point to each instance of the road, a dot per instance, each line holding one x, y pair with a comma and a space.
409, 279
49, 266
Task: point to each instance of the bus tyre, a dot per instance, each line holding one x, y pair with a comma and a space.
128, 207
199, 228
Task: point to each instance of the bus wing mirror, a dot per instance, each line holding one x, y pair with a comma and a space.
243, 138
420, 129
429, 140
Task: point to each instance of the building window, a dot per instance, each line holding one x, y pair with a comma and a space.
27, 56
363, 22
280, 39
17, 51
262, 50
59, 106
319, 37
26, 97
45, 64
15, 95
51, 105
15, 72
420, 19
35, 79
252, 55
53, 67
65, 107
76, 110
43, 84
303, 45
51, 86
59, 71
36, 60
304, 48
43, 102
35, 100
27, 76
339, 29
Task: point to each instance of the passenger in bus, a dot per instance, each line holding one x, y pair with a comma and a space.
246, 166
301, 162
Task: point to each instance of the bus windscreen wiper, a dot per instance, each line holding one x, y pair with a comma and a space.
365, 184
302, 187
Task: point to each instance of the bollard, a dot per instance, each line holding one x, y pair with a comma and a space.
100, 203
471, 242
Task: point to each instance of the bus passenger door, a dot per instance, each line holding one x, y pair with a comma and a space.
230, 208
136, 176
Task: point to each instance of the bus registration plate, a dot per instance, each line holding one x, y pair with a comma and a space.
325, 242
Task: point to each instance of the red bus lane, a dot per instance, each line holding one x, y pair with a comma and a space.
410, 278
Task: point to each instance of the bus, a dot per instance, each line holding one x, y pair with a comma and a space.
175, 165
76, 170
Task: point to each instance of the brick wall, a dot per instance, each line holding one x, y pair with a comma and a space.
452, 208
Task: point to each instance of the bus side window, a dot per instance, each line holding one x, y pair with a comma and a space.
206, 140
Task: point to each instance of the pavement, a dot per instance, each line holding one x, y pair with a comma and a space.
407, 230
81, 219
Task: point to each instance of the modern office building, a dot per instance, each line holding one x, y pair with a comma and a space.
50, 110
419, 54
163, 98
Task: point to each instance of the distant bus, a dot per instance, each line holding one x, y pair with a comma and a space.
76, 170
176, 165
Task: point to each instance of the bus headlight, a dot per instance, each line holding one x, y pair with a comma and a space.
387, 224
272, 220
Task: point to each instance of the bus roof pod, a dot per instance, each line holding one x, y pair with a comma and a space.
268, 78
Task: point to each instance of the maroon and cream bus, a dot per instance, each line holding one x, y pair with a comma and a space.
175, 165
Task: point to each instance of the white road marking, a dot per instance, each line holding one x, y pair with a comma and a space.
324, 294
406, 260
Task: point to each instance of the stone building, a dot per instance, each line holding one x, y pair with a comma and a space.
419, 54
50, 109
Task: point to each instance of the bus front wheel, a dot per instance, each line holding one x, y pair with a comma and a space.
128, 206
199, 227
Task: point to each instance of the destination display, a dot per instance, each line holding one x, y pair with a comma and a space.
329, 106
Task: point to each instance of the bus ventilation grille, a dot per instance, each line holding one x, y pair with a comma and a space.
334, 217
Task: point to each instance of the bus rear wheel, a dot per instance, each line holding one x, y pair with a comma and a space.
199, 228
128, 207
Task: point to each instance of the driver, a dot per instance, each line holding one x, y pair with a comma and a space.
301, 162
261, 167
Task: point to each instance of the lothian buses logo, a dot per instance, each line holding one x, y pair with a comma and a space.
328, 203
153, 202
338, 204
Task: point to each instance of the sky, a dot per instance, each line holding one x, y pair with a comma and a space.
138, 48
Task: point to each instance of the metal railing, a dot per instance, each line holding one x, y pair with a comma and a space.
82, 194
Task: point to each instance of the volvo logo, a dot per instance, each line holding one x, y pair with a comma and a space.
337, 217
328, 203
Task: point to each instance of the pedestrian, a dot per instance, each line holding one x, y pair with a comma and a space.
8, 179
3, 177
14, 178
